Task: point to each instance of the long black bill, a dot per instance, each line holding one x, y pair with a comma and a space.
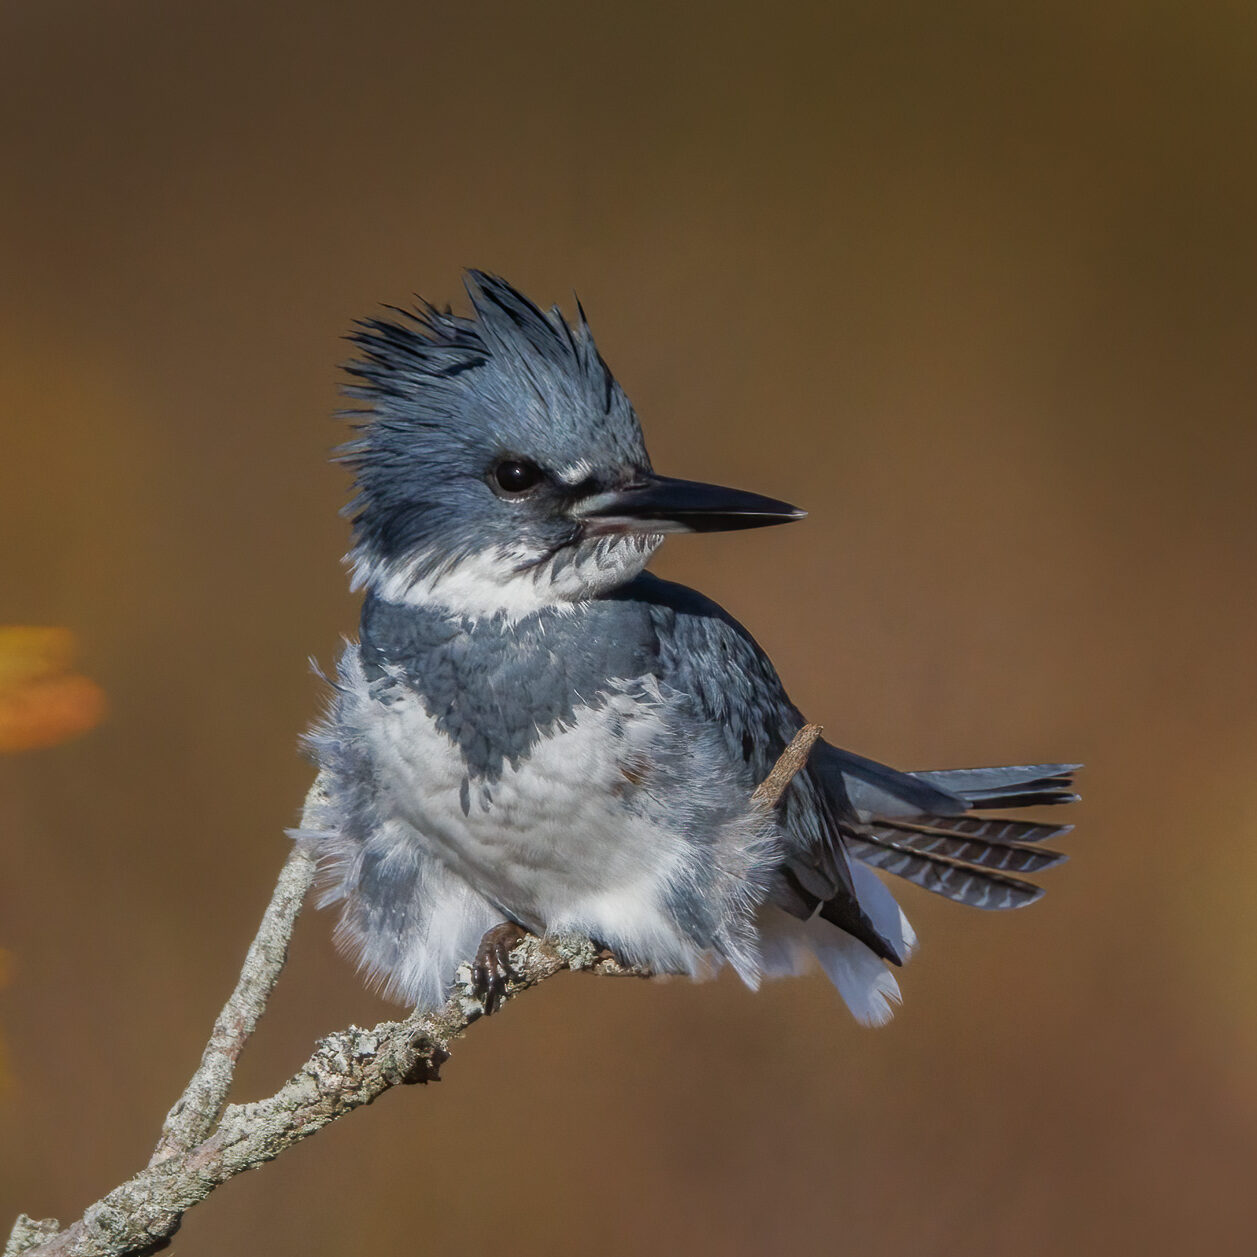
661, 504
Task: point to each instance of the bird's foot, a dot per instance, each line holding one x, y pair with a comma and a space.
491, 970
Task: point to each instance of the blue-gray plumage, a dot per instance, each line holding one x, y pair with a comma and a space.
533, 731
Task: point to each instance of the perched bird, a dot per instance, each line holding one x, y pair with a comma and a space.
533, 733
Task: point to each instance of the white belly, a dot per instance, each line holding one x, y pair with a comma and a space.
554, 843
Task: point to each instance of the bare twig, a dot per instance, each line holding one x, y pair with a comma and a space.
789, 762
203, 1144
195, 1112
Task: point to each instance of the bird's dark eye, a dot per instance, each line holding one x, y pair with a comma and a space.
516, 475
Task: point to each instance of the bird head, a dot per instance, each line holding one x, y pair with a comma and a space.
500, 468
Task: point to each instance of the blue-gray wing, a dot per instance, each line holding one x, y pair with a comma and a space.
843, 806
704, 653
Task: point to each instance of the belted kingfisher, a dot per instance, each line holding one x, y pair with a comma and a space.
533, 733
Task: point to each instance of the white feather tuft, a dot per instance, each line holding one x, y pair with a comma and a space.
790, 946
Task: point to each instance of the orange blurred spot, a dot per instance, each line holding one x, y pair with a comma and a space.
43, 703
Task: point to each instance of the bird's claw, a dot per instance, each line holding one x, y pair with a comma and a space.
491, 971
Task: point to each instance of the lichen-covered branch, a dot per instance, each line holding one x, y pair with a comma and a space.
347, 1070
27, 1232
203, 1144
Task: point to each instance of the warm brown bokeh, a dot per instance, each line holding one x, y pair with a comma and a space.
976, 283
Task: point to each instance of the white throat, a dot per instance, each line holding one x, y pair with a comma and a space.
509, 582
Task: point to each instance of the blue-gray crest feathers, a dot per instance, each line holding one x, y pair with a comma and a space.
403, 357
443, 393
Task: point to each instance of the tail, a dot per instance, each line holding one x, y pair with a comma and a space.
917, 825
1024, 785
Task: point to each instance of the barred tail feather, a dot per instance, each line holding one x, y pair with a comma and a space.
1006, 854
997, 828
953, 879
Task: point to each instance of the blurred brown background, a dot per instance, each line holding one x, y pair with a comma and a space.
975, 283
